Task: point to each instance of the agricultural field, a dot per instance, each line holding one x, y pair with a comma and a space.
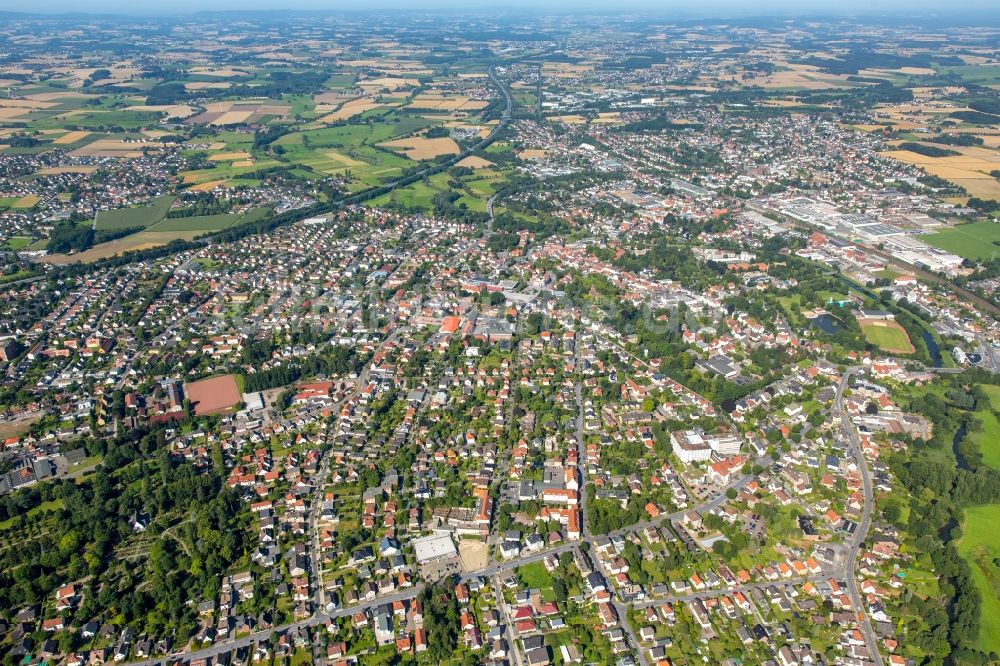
142, 240
971, 169
126, 218
976, 241
980, 546
422, 148
474, 192
889, 336
353, 151
988, 439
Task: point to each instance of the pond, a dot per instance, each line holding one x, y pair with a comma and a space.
826, 323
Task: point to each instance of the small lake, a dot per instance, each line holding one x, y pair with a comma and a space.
826, 323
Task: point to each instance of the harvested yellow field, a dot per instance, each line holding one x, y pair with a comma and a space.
32, 104
222, 73
229, 157
801, 77
570, 120
387, 83
350, 109
142, 240
207, 186
56, 96
474, 162
113, 148
532, 154
243, 163
54, 171
930, 108
445, 102
71, 137
218, 107
970, 170
565, 70
232, 118
422, 148
27, 201
609, 117
12, 113
984, 188
195, 86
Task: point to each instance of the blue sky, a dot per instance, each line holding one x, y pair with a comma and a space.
703, 7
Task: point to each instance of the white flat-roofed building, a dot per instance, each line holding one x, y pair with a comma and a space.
689, 446
434, 547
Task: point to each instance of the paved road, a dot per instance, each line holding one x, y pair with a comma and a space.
316, 557
731, 589
850, 433
14, 283
317, 619
489, 211
990, 360
508, 630
582, 465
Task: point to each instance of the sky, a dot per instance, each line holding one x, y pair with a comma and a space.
690, 7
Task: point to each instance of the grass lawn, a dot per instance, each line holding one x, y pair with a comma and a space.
22, 274
123, 218
17, 242
44, 507
989, 438
973, 241
888, 336
534, 575
979, 545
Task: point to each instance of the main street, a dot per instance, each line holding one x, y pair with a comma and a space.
850, 434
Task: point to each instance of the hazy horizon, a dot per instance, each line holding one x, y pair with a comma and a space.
687, 7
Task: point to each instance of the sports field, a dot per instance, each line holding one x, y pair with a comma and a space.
975, 241
213, 394
980, 546
889, 336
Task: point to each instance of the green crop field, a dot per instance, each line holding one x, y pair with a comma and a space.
974, 241
980, 546
209, 222
196, 223
124, 218
988, 438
